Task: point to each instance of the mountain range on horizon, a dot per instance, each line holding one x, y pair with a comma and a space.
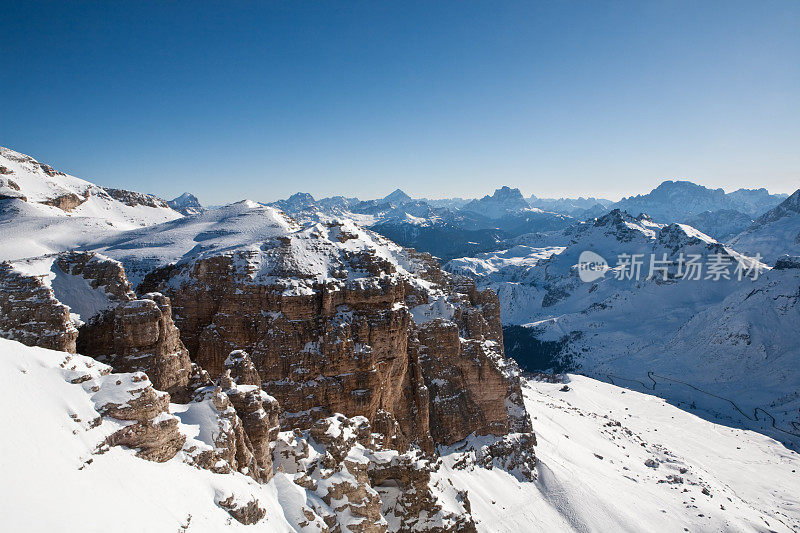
398, 364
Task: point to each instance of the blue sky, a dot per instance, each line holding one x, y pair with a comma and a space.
259, 100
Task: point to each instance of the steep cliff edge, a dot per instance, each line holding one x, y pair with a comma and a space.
336, 319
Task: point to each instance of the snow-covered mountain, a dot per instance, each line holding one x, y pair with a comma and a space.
773, 234
186, 204
504, 202
610, 460
288, 367
574, 207
722, 224
729, 337
397, 197
446, 232
678, 201
43, 210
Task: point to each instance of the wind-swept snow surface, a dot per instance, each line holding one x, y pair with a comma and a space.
44, 211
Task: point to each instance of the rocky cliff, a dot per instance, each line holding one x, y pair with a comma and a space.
336, 320
324, 349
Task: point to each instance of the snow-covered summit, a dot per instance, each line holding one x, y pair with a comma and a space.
397, 197
505, 201
186, 204
272, 247
678, 201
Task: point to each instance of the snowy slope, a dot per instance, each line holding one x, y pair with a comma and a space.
44, 211
270, 246
594, 442
732, 338
773, 234
55, 480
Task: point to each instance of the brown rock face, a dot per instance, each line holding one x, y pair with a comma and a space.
471, 385
154, 432
258, 412
232, 449
139, 335
355, 349
65, 202
101, 273
31, 313
246, 423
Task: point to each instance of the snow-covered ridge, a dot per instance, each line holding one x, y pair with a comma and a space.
701, 338
266, 245
45, 211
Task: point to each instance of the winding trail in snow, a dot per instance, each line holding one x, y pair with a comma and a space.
755, 418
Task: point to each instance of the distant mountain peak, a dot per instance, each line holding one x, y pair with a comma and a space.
186, 204
397, 197
301, 197
506, 193
504, 201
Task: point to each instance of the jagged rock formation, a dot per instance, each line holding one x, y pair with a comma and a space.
337, 320
139, 335
31, 313
45, 299
229, 447
361, 487
300, 331
133, 199
154, 432
100, 272
128, 399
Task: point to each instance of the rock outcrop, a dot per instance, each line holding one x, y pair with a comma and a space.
151, 429
337, 319
139, 335
245, 423
133, 199
31, 313
359, 486
132, 335
101, 273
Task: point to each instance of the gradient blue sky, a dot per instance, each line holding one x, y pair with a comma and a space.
260, 100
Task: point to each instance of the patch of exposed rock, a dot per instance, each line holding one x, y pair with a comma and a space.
153, 431
247, 513
139, 335
31, 313
66, 202
135, 198
359, 486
